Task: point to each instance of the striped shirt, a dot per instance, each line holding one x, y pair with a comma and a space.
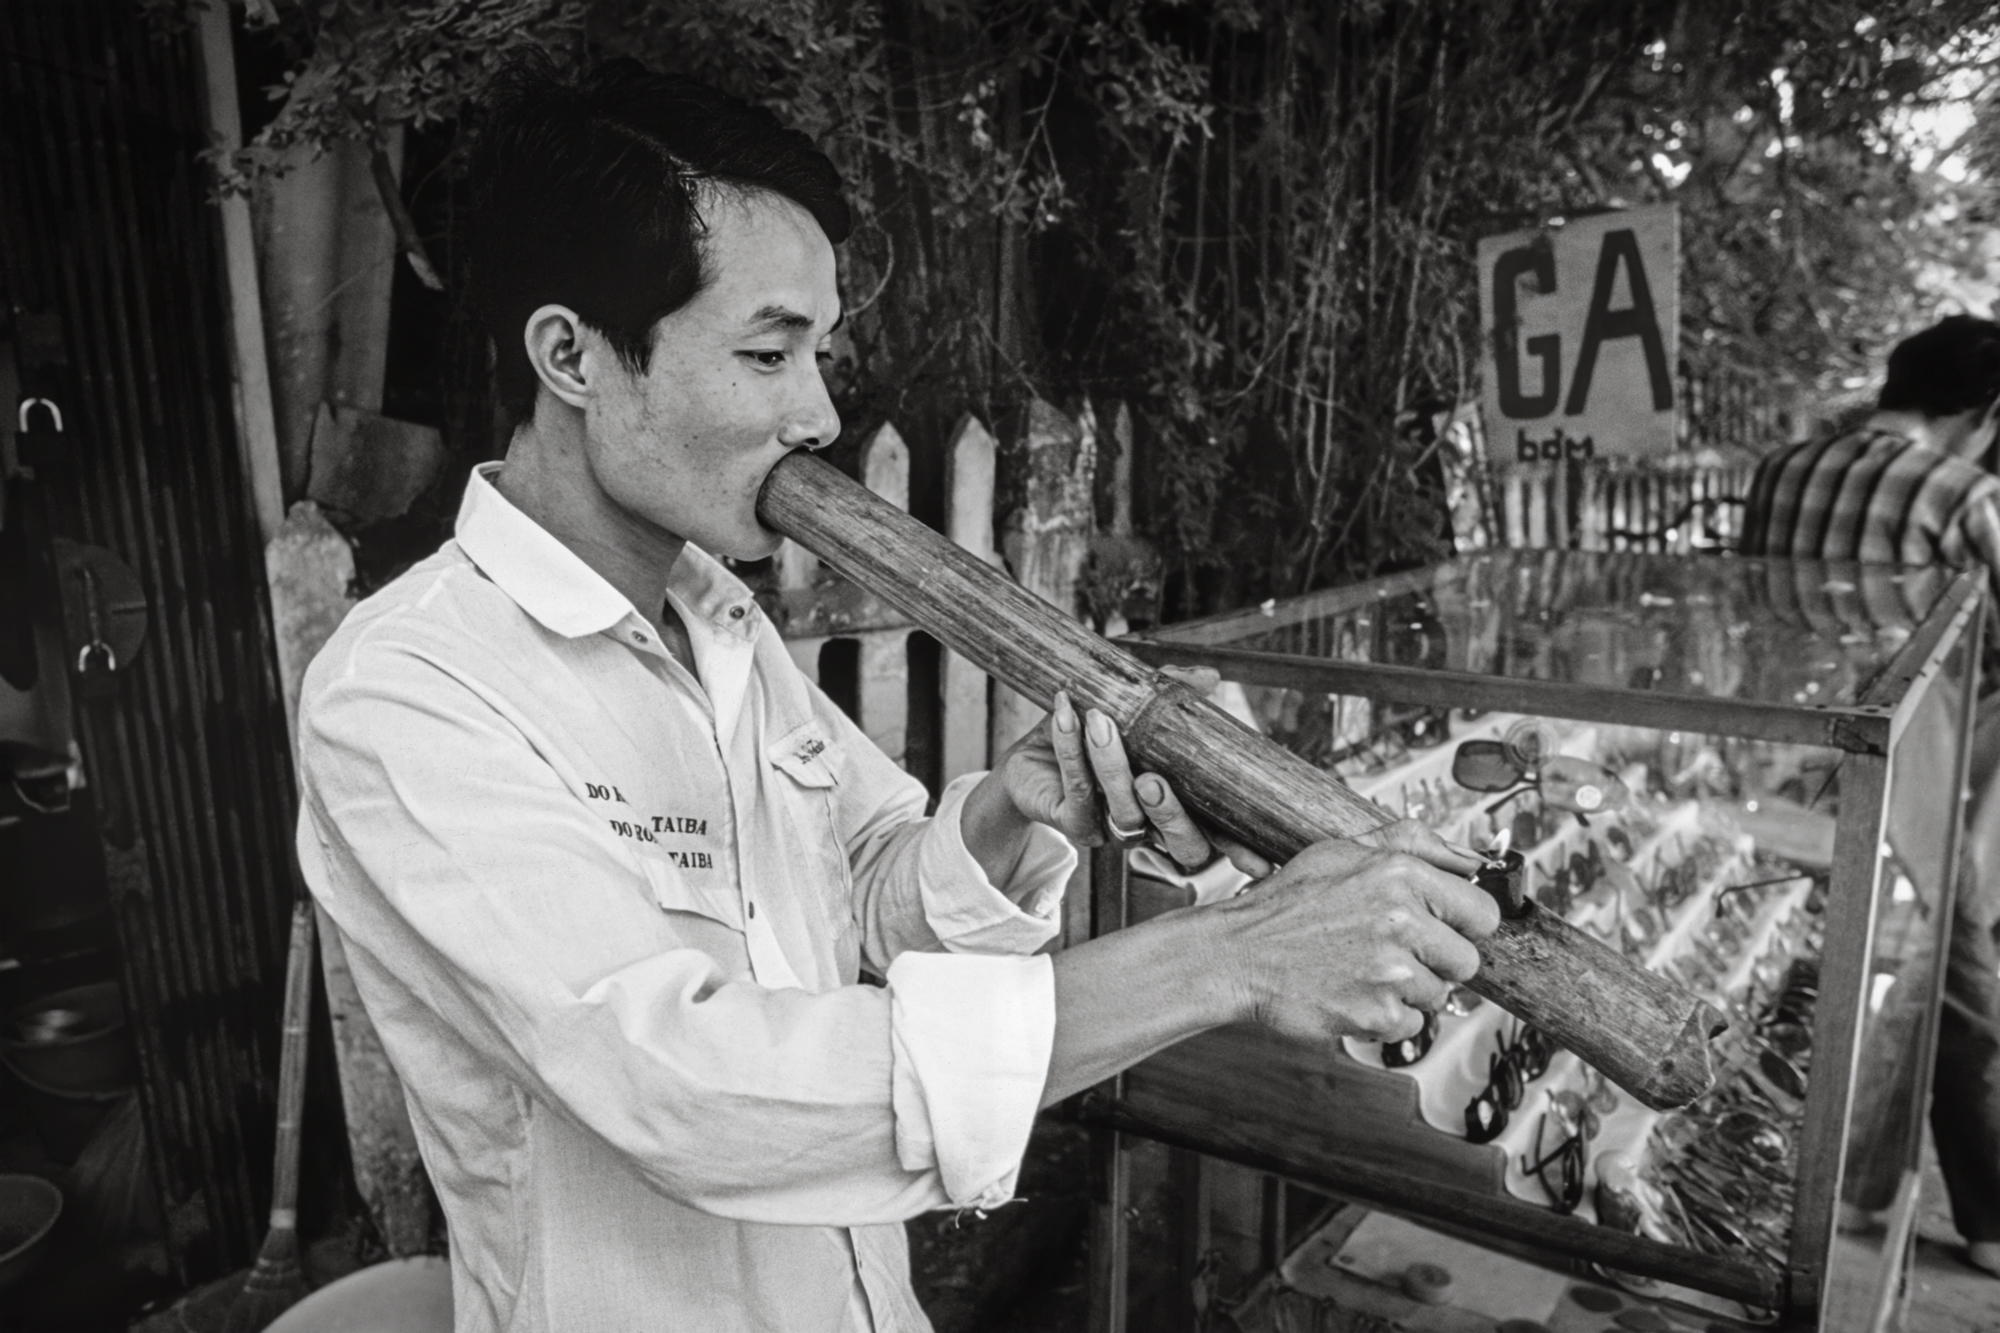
1878, 497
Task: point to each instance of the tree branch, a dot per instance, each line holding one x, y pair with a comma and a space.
411, 244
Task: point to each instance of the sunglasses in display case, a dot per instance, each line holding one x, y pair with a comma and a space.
1743, 773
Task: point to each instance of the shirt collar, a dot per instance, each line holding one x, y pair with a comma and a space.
704, 591
554, 585
528, 563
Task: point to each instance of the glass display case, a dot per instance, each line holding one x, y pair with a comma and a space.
1745, 773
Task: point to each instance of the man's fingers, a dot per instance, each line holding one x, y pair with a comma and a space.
1458, 903
1447, 955
1417, 839
1114, 771
1079, 807
1180, 836
1245, 860
1396, 1022
1426, 991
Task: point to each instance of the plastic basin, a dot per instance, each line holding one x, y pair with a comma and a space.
401, 1296
73, 1040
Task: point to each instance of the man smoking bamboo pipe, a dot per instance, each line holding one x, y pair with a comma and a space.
607, 867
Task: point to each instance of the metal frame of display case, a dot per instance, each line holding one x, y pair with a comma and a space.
1335, 1125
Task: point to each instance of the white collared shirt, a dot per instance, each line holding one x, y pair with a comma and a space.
609, 917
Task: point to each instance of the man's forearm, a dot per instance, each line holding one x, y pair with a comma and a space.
1124, 996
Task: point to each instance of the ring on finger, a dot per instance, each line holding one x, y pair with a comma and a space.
1124, 834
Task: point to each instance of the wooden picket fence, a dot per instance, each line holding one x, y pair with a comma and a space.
1610, 505
1680, 504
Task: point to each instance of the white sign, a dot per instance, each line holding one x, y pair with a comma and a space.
1581, 330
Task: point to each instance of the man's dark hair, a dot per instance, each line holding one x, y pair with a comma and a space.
587, 192
1951, 367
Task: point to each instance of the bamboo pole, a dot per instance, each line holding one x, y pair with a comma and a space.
1642, 1031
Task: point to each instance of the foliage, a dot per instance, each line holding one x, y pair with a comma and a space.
359, 64
1253, 219
1805, 223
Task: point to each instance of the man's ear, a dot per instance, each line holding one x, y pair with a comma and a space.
560, 349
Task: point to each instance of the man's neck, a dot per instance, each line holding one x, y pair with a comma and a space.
548, 477
1955, 435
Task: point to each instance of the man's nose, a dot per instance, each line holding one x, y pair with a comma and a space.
813, 423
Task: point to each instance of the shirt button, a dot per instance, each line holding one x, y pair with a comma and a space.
736, 613
638, 637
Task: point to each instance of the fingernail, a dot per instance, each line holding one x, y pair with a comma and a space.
1065, 715
1100, 727
1152, 791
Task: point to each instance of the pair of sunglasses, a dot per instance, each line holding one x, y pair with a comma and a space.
1509, 1070
1705, 1220
1575, 1112
1751, 1132
1402, 1054
1740, 901
1424, 729
1776, 1074
1564, 781
1795, 1003
1565, 1159
1573, 879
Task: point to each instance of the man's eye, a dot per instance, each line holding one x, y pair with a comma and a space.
768, 360
824, 356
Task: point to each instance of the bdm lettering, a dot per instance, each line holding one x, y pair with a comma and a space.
1558, 446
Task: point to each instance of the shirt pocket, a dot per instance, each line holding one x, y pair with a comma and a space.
805, 788
675, 892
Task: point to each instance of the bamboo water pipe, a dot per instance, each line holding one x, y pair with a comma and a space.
1642, 1031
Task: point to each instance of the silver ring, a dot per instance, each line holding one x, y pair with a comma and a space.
1124, 834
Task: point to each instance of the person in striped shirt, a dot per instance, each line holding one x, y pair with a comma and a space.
1906, 487
1913, 485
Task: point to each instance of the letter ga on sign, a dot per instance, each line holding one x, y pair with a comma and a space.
1581, 326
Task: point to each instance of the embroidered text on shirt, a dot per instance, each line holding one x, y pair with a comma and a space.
679, 824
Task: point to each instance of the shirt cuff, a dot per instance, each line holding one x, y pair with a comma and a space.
964, 909
971, 1038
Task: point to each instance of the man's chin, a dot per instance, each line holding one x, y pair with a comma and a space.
758, 544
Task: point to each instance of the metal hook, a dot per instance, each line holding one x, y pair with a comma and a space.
29, 404
93, 609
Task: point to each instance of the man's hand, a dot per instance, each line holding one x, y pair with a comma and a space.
1073, 774
1355, 940
1351, 938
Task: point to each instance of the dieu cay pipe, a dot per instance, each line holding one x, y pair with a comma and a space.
1642, 1031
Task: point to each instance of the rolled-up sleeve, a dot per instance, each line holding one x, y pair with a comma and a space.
966, 910
494, 926
972, 1039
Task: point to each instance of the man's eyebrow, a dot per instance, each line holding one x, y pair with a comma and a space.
789, 320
